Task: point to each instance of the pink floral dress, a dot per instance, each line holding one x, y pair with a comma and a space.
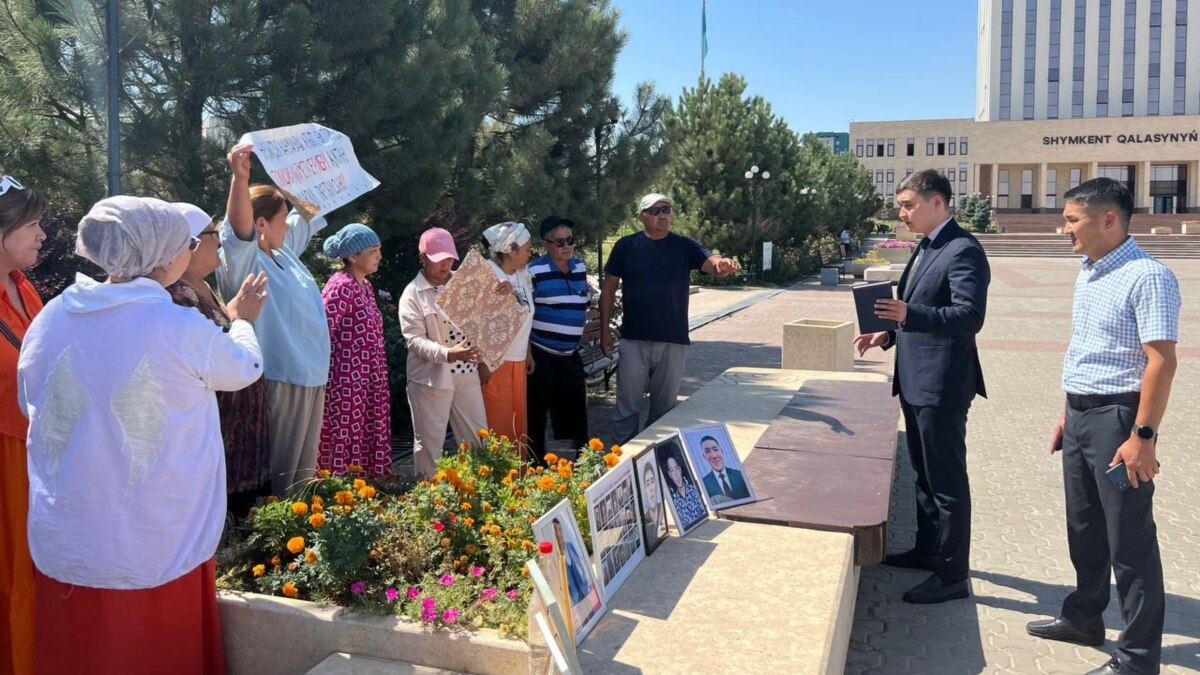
357, 424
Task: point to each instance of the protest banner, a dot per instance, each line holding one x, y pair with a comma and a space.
314, 166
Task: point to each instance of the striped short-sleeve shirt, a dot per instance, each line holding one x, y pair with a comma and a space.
1122, 301
560, 302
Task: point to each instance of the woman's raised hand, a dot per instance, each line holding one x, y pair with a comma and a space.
239, 160
247, 304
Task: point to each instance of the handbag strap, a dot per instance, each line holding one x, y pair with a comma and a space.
10, 335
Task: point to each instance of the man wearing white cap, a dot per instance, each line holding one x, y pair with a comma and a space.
656, 266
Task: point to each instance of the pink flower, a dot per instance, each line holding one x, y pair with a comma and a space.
429, 610
477, 571
438, 527
446, 580
357, 588
450, 615
392, 594
490, 593
513, 594
413, 593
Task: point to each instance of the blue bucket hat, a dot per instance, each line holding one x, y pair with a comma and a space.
350, 240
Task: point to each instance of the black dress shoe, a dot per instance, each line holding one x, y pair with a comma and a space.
933, 591
910, 560
1113, 667
1057, 629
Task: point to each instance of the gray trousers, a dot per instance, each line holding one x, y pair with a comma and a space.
294, 415
432, 408
644, 366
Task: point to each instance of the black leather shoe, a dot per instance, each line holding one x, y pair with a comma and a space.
1113, 667
933, 591
911, 560
1057, 629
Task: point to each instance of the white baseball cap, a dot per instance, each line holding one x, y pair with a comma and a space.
197, 219
652, 199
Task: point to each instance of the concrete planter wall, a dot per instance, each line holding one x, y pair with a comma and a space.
856, 268
818, 344
268, 635
1189, 227
895, 256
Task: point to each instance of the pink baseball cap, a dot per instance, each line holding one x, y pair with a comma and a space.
437, 245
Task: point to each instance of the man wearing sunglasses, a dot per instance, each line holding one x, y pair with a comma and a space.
560, 301
654, 269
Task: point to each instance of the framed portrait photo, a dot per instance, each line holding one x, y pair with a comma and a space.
616, 526
652, 502
722, 480
683, 492
585, 601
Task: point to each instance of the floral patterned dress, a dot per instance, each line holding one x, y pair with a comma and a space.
243, 413
357, 428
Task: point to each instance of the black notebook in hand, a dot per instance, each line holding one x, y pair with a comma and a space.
865, 296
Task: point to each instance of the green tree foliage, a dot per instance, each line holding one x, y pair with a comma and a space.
975, 210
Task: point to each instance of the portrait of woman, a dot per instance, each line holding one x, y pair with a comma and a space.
686, 503
653, 510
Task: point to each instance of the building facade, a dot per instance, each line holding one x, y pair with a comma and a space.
1068, 90
837, 141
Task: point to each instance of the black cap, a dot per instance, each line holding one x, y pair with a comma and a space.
551, 222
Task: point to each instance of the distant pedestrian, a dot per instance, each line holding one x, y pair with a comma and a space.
844, 238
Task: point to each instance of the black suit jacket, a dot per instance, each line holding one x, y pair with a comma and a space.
937, 361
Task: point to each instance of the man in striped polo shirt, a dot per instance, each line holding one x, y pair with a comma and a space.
1117, 376
560, 300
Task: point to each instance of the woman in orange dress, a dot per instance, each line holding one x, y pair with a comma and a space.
21, 238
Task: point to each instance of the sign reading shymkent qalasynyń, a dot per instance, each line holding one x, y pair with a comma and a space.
313, 165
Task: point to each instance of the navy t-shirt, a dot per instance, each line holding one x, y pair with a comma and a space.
654, 277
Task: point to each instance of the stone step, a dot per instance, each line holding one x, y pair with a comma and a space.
341, 663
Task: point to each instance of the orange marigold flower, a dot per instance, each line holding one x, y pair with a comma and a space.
318, 508
259, 570
464, 446
532, 520
310, 556
563, 488
316, 519
596, 444
445, 541
344, 497
275, 561
482, 433
468, 522
495, 530
585, 484
611, 460
295, 544
299, 508
546, 482
503, 438
524, 571
324, 473
616, 450
551, 458
564, 471
487, 506
472, 548
367, 492
272, 499
292, 567
318, 500
485, 470
290, 590
359, 483
438, 501
506, 481
354, 468
347, 508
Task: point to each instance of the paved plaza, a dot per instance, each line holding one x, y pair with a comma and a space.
1020, 568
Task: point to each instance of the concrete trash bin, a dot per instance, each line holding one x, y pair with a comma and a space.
830, 276
818, 344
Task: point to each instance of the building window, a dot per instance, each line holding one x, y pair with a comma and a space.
1027, 188
908, 172
1002, 189
911, 148
1128, 59
953, 145
1054, 61
941, 146
1180, 84
929, 147
870, 147
1051, 189
858, 147
1006, 39
890, 187
879, 183
1079, 56
1030, 54
879, 148
962, 181
1074, 177
891, 147
1154, 84
962, 145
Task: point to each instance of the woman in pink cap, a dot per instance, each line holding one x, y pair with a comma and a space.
443, 379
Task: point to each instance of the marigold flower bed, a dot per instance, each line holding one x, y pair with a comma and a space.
448, 552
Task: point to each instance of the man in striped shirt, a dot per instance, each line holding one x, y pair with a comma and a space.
560, 300
1117, 376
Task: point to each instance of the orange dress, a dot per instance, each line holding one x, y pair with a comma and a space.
16, 567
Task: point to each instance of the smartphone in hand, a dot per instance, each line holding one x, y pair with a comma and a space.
1119, 477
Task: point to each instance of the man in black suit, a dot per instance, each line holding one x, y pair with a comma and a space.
942, 301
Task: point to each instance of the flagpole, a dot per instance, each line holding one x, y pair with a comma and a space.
703, 35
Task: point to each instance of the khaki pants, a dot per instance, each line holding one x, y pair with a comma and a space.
294, 415
432, 409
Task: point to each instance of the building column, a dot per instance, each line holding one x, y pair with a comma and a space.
1142, 181
1039, 199
1093, 171
994, 188
1193, 195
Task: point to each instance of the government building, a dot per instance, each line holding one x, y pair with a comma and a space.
1067, 90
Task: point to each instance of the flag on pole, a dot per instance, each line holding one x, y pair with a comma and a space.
703, 34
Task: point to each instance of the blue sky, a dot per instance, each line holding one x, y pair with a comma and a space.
820, 64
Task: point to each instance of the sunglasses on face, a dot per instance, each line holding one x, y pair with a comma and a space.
7, 182
193, 244
656, 210
565, 241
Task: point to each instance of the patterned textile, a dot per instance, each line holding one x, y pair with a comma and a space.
1122, 301
357, 427
688, 505
243, 413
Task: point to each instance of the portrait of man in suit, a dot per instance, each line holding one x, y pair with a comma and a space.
939, 309
722, 483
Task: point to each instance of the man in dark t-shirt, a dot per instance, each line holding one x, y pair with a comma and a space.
655, 265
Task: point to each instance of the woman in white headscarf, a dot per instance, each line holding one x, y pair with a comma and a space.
126, 463
504, 389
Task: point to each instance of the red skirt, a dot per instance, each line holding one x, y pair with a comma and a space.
173, 628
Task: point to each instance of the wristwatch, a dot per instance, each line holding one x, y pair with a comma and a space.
1144, 432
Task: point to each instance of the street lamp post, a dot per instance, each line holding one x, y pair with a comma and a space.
755, 179
113, 97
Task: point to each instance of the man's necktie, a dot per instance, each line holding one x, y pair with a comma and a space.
725, 487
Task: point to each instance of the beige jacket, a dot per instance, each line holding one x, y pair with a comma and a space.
425, 334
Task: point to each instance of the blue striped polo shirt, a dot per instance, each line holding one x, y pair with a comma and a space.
560, 303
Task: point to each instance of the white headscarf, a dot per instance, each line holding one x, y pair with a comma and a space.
132, 236
506, 237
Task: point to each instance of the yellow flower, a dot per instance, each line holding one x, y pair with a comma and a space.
445, 541
506, 481
347, 508
468, 522
310, 556
359, 483
524, 571
611, 460
318, 500
324, 473
260, 570
551, 458
299, 508
295, 544
616, 450
316, 519
596, 444
367, 492
482, 433
546, 482
272, 499
495, 530
464, 446
290, 590
585, 484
